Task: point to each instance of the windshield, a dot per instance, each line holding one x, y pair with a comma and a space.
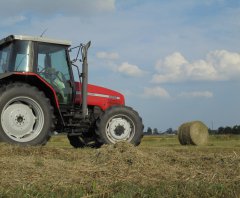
15, 56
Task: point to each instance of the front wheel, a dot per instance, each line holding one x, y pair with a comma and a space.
119, 123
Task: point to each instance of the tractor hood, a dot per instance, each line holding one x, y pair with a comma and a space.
99, 96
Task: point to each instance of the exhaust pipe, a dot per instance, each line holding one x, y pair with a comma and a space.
84, 79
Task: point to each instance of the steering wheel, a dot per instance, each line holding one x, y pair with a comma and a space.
52, 74
49, 73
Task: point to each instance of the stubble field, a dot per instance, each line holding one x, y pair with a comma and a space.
159, 167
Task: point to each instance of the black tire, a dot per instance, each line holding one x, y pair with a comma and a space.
119, 123
76, 141
26, 115
81, 142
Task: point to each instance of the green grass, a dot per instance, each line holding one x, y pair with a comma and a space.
159, 167
229, 141
160, 141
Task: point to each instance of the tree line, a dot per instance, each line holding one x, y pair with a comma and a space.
155, 131
221, 130
227, 130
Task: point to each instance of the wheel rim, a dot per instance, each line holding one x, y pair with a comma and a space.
120, 128
22, 119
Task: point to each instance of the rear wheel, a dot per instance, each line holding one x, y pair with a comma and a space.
26, 116
119, 123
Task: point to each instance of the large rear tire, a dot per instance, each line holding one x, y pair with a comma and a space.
119, 123
26, 115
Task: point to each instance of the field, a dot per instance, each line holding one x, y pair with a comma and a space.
159, 167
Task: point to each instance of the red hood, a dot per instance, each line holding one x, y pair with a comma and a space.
100, 96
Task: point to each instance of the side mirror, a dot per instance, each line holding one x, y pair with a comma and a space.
83, 48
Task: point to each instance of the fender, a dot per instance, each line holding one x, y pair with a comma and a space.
33, 79
37, 81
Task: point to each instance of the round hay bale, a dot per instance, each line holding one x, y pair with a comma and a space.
193, 133
180, 134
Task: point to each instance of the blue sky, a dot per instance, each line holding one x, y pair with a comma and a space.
174, 60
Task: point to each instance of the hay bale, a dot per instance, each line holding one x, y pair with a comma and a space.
180, 134
193, 133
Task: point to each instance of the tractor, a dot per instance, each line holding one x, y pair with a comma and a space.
43, 91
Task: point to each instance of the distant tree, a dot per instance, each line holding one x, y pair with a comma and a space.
227, 130
221, 130
236, 129
149, 131
155, 131
169, 131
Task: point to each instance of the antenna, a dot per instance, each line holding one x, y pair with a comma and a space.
43, 32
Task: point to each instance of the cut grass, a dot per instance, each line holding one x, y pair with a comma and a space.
159, 167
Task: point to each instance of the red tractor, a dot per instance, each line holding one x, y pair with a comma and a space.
38, 96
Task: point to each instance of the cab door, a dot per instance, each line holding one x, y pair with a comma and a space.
52, 65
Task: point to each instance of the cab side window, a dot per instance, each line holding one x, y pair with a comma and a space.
53, 67
4, 58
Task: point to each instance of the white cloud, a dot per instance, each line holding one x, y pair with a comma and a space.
170, 70
218, 65
130, 70
155, 92
125, 68
107, 55
173, 63
196, 94
226, 63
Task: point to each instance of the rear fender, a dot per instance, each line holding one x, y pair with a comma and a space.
34, 80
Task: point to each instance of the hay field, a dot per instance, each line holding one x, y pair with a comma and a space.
159, 167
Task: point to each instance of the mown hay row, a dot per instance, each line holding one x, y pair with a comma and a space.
193, 133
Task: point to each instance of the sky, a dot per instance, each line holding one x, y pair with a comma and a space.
175, 61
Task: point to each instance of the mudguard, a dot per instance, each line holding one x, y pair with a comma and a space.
34, 80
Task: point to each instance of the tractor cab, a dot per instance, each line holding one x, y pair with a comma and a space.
46, 57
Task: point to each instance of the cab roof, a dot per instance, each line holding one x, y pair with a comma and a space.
34, 38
